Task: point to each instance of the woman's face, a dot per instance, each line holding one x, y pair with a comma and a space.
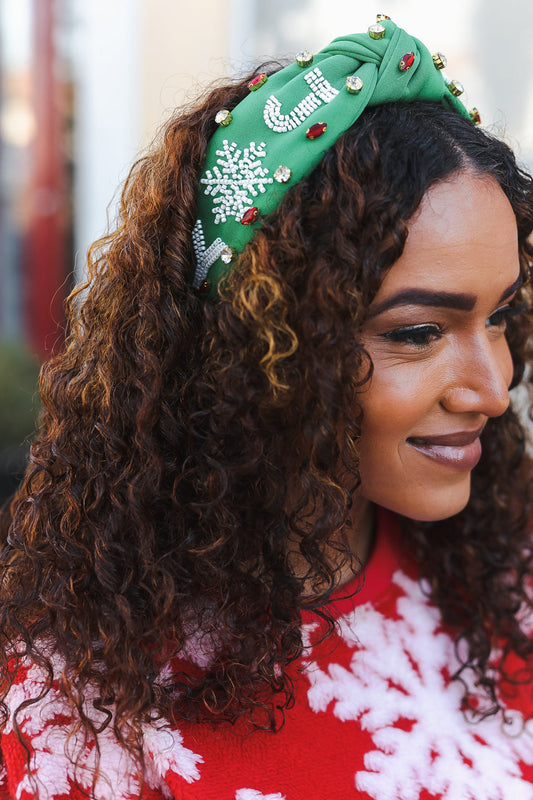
436, 336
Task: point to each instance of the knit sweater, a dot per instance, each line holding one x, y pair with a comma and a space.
376, 717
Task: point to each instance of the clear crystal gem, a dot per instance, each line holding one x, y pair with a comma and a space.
376, 31
282, 174
226, 255
354, 84
223, 117
304, 58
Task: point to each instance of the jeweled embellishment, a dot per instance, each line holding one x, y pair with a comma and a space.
406, 62
227, 255
282, 174
304, 58
316, 130
376, 31
223, 117
204, 287
381, 17
250, 215
258, 81
456, 88
440, 60
475, 116
354, 84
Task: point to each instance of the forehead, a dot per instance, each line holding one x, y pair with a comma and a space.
463, 238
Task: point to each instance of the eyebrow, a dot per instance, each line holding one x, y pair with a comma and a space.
424, 297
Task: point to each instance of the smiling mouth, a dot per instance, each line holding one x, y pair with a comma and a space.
459, 450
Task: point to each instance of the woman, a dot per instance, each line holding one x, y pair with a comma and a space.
273, 540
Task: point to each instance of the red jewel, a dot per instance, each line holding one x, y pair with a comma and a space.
250, 215
257, 82
406, 62
316, 130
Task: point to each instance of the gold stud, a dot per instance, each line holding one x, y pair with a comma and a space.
475, 116
456, 88
381, 17
440, 60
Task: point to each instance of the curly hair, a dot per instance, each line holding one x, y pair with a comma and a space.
161, 495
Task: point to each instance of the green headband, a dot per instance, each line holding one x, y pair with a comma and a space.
280, 131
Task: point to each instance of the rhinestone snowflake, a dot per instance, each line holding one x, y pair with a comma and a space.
236, 179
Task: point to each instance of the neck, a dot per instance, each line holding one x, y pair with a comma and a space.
347, 551
360, 538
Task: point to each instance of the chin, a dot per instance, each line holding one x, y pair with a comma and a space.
424, 501
436, 506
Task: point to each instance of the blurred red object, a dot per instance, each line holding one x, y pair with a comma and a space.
46, 243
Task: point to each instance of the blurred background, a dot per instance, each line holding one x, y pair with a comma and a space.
84, 87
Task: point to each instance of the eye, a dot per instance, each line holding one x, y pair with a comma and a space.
502, 315
415, 335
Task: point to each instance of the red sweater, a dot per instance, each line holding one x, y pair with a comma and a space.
375, 716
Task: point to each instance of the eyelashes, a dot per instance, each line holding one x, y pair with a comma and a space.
425, 334
417, 335
501, 316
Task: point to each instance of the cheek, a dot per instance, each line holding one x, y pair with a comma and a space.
396, 400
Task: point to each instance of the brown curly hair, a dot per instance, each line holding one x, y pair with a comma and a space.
161, 494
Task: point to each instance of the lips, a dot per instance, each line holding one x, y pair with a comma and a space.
457, 449
455, 439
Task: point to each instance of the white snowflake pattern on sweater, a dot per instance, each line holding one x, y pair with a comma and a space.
50, 741
399, 673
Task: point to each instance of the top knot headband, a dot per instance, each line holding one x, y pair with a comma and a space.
280, 131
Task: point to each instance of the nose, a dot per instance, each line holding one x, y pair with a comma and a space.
481, 379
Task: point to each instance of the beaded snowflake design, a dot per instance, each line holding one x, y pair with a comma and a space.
236, 179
